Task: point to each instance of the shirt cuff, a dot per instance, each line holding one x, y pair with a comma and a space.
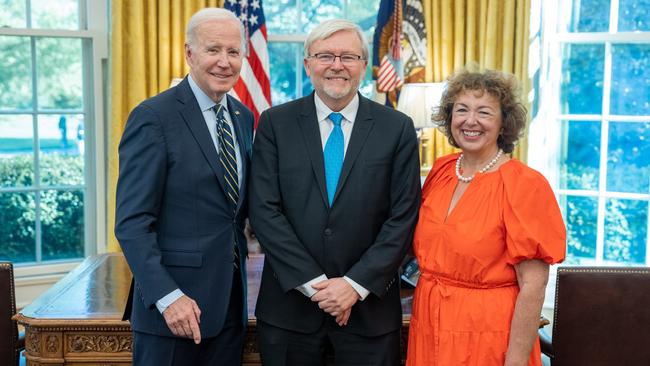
363, 293
306, 288
169, 299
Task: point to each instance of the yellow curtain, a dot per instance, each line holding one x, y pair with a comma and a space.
147, 51
490, 33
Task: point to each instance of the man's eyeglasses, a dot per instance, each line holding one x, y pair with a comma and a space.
328, 58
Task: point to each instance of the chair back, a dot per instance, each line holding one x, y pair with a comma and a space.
602, 316
8, 330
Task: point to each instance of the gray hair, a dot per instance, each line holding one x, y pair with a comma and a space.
329, 27
212, 14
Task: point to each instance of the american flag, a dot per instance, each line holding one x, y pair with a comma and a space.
389, 78
387, 59
253, 87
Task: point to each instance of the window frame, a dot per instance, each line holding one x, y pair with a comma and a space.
93, 33
547, 125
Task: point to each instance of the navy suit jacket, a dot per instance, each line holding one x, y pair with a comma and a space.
173, 221
364, 235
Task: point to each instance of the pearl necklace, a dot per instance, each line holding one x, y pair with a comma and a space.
482, 170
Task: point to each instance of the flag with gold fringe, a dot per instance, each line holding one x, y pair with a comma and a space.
399, 47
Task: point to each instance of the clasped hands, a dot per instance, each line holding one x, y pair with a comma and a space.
336, 297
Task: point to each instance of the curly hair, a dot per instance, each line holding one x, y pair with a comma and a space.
502, 86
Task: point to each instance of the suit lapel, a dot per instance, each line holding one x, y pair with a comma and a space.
362, 124
193, 117
308, 123
243, 141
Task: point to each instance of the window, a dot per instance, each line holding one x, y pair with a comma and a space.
288, 23
48, 111
596, 127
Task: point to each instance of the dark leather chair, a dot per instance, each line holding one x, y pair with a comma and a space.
602, 317
10, 343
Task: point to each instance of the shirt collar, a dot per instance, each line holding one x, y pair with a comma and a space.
349, 112
205, 102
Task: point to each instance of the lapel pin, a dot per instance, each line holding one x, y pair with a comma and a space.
237, 113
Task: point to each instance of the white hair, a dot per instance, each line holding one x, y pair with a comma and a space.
211, 14
329, 27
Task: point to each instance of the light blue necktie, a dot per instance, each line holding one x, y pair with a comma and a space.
333, 155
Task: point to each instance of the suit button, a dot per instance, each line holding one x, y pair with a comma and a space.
328, 232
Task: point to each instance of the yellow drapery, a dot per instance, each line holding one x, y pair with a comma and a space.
490, 33
147, 51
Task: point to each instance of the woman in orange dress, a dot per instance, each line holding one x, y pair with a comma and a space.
489, 228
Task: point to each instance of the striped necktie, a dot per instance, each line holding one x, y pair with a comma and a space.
333, 154
227, 157
228, 161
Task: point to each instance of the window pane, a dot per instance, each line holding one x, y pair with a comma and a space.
59, 73
307, 87
366, 87
582, 79
62, 224
580, 155
55, 14
18, 228
589, 16
281, 16
633, 15
364, 13
15, 73
61, 157
16, 151
282, 57
13, 14
581, 220
628, 160
630, 79
315, 12
626, 225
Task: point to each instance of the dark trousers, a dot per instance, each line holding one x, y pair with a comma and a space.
281, 347
225, 349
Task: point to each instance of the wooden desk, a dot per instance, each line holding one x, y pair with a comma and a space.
78, 321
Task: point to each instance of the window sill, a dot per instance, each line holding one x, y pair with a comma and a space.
31, 281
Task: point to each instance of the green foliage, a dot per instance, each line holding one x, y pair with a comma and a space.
58, 60
12, 13
581, 227
17, 231
16, 171
625, 231
60, 213
15, 79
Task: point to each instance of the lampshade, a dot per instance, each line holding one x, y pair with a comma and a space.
418, 101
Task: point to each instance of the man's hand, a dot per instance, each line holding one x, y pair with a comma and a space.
335, 296
183, 317
342, 319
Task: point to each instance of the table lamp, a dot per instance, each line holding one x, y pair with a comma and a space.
419, 101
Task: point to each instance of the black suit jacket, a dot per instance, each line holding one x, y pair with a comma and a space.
364, 235
173, 221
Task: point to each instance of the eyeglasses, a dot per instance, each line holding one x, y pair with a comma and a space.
328, 58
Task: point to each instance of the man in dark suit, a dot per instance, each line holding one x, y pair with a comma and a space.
181, 206
334, 196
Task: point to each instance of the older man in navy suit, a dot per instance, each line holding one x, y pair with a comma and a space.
181, 206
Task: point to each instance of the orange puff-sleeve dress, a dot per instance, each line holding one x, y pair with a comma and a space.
465, 297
